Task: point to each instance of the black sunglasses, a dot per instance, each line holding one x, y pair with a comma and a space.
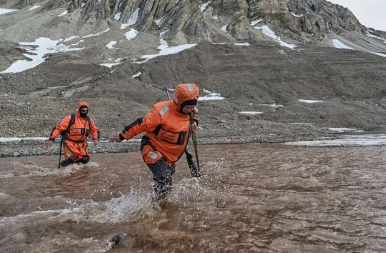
84, 110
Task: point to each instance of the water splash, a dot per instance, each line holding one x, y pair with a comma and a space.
31, 170
117, 210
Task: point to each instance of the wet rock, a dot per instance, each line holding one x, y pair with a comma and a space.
119, 240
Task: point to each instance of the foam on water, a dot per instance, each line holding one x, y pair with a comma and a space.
118, 210
90, 245
37, 216
31, 170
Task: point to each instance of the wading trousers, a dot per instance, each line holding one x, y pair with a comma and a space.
75, 152
162, 176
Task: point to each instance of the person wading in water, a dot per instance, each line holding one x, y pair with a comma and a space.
167, 129
75, 130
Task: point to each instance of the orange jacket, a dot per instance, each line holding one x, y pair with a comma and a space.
167, 128
81, 128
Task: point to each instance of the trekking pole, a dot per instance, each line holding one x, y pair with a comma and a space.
60, 151
167, 91
194, 140
194, 170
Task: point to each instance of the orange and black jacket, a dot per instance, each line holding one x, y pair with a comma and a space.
165, 126
79, 130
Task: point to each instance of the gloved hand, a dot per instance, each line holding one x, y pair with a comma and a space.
48, 143
95, 141
194, 171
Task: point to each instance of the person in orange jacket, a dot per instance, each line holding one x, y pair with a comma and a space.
75, 129
167, 129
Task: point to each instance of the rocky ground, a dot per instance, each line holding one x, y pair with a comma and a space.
251, 77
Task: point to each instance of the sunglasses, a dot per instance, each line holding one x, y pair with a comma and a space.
84, 110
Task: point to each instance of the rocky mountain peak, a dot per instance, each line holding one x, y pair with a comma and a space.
320, 16
193, 20
296, 22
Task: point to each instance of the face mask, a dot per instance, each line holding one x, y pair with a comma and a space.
83, 114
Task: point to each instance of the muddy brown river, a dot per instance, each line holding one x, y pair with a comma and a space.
251, 198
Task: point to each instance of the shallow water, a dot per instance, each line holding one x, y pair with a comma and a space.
251, 198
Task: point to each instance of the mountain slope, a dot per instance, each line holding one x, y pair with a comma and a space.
264, 57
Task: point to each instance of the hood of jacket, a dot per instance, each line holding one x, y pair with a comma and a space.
81, 104
184, 92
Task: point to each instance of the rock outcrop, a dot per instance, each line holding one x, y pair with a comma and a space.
296, 21
302, 20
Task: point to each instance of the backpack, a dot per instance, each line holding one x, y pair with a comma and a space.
72, 121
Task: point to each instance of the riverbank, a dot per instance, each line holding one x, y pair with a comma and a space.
34, 147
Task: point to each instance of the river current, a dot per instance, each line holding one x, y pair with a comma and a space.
251, 198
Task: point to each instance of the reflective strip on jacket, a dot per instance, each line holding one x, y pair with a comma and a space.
81, 128
167, 128
79, 131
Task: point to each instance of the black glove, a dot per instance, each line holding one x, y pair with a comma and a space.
194, 171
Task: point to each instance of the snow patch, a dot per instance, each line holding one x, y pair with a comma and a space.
255, 22
159, 21
77, 43
34, 7
10, 139
338, 44
111, 44
133, 19
310, 101
70, 38
131, 34
268, 32
63, 13
211, 96
137, 75
204, 6
4, 11
250, 113
245, 44
296, 15
374, 36
379, 54
274, 105
111, 64
342, 130
118, 16
166, 50
96, 34
42, 46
